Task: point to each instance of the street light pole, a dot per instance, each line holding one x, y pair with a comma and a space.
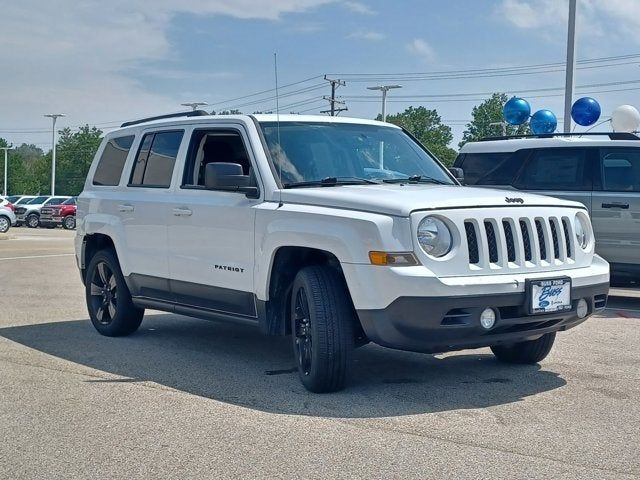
55, 117
571, 66
384, 89
4, 188
194, 105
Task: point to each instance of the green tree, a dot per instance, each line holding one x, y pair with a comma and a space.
488, 112
74, 154
28, 172
426, 125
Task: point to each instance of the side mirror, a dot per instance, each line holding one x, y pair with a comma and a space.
458, 174
228, 177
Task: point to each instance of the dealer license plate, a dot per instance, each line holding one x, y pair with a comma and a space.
548, 296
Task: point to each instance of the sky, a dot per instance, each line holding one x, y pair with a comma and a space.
103, 63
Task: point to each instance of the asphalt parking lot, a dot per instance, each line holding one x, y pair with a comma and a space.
185, 398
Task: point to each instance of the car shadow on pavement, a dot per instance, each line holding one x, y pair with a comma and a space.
236, 364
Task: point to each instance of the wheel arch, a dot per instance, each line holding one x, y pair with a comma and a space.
91, 244
285, 264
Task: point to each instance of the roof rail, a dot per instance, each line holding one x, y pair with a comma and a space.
611, 135
192, 113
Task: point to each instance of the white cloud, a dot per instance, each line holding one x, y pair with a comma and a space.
78, 57
368, 35
422, 49
359, 7
616, 20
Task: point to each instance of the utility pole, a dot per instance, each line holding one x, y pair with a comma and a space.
55, 117
194, 105
333, 111
571, 66
5, 190
384, 89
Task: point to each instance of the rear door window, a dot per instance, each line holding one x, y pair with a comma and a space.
620, 168
112, 161
155, 159
490, 168
556, 169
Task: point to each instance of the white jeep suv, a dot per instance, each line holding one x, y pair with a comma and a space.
335, 231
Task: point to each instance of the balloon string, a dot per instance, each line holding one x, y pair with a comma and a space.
594, 126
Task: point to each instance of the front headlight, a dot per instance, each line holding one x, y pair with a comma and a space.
434, 237
581, 228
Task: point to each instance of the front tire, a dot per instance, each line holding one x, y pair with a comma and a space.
530, 352
322, 319
5, 224
109, 303
69, 222
32, 220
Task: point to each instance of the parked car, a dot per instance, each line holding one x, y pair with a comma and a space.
601, 171
29, 213
13, 198
7, 215
63, 214
22, 199
335, 231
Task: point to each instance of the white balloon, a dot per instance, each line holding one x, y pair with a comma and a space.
625, 118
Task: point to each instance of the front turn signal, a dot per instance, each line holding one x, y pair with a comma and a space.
396, 259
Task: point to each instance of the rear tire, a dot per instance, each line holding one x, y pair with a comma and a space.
529, 352
109, 303
32, 220
5, 224
69, 222
322, 320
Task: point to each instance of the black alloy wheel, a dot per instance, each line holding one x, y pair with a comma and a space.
104, 293
302, 332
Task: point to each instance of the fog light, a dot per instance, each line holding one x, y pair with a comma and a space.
487, 318
583, 308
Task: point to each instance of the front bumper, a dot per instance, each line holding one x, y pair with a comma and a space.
442, 324
50, 220
410, 309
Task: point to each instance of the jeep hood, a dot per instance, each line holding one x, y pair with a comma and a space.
401, 200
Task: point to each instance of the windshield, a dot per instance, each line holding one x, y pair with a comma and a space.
309, 152
13, 198
70, 201
38, 200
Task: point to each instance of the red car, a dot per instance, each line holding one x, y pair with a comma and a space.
63, 214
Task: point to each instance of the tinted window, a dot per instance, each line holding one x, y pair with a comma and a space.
490, 168
70, 201
214, 146
156, 158
13, 198
56, 201
37, 200
22, 201
620, 170
111, 162
555, 169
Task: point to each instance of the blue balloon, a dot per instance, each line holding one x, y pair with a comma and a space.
585, 111
516, 111
543, 121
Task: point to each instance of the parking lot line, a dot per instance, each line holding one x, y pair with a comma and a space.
38, 256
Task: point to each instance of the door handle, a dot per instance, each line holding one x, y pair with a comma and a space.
126, 208
182, 212
623, 206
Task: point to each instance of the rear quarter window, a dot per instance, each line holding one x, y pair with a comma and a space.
111, 163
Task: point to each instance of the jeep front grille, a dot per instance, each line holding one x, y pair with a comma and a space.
506, 242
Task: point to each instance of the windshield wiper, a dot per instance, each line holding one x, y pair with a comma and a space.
332, 182
415, 179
